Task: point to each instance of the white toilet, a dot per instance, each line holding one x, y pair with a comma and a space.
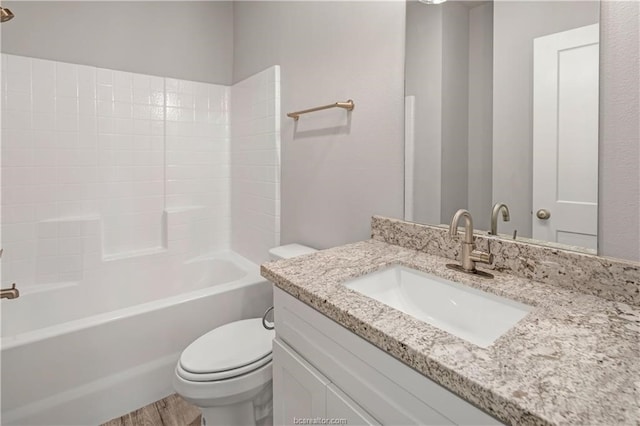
227, 372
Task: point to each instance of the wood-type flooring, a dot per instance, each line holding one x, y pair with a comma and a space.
170, 411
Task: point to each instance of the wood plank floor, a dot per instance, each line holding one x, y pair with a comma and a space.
170, 411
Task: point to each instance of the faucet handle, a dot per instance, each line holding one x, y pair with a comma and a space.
480, 256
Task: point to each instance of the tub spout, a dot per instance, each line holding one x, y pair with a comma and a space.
9, 293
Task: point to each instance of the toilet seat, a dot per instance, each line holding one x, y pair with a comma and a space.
226, 352
222, 375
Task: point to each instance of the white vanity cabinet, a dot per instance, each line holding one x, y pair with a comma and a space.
304, 393
301, 390
322, 370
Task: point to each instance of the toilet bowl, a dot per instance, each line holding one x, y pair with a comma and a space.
227, 372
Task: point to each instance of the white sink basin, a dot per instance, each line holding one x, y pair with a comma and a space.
471, 314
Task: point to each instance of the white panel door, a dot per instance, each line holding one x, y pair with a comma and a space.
565, 137
299, 390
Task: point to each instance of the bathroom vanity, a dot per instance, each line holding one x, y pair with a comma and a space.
323, 370
572, 359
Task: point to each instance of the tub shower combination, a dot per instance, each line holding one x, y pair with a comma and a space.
92, 369
132, 222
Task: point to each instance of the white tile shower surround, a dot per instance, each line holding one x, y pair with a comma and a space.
255, 156
103, 166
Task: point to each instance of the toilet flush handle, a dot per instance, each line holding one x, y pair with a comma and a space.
266, 324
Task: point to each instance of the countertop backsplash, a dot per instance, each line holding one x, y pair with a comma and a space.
612, 279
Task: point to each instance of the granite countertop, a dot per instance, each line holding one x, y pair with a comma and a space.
574, 359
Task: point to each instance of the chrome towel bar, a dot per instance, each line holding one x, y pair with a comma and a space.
348, 105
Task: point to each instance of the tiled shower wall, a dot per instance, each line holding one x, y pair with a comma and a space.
255, 159
101, 165
198, 164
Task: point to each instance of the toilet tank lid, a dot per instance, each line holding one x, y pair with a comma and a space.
289, 250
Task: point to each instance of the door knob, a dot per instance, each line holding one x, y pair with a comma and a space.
543, 214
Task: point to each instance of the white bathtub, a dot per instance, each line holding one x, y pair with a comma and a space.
83, 364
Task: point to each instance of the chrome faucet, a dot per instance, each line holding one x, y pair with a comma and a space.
9, 293
497, 207
469, 255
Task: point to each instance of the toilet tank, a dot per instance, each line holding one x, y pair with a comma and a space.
289, 250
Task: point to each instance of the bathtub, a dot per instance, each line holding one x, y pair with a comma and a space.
85, 363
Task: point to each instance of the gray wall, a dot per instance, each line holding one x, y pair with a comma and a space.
516, 24
423, 79
449, 71
619, 183
338, 169
480, 113
455, 109
188, 40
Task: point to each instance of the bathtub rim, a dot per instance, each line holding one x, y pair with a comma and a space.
252, 277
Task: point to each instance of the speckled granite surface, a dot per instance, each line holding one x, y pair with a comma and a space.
611, 279
573, 360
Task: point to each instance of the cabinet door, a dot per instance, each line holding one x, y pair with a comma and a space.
299, 390
340, 406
